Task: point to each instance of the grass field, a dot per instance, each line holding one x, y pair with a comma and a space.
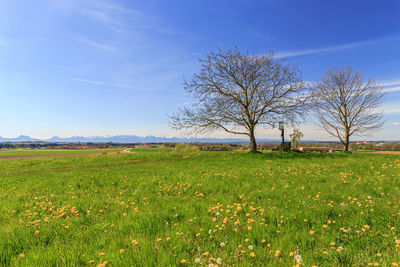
224, 208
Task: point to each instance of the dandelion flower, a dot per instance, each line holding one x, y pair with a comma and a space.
183, 261
121, 250
222, 244
250, 247
219, 261
37, 232
22, 256
197, 260
312, 232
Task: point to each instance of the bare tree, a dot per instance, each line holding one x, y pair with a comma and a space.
236, 92
346, 104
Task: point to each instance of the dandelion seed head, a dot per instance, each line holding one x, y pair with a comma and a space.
298, 259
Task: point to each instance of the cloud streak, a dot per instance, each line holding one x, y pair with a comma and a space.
3, 41
94, 44
110, 14
100, 83
306, 52
391, 85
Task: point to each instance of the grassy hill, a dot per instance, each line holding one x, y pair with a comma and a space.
226, 208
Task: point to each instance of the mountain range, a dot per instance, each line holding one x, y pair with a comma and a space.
128, 139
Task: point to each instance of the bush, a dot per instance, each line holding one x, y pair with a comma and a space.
216, 147
164, 149
181, 147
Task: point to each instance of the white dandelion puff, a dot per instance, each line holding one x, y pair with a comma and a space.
298, 259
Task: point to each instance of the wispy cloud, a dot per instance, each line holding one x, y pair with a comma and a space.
88, 81
94, 44
305, 52
392, 89
100, 83
391, 85
4, 41
104, 5
109, 14
396, 123
390, 108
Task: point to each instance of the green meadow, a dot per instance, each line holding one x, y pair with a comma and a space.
202, 208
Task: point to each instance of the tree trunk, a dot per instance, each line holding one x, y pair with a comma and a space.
346, 141
253, 144
346, 144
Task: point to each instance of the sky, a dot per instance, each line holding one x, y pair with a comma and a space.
102, 67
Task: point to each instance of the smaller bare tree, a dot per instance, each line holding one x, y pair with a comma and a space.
346, 104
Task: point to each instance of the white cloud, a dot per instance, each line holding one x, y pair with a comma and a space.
88, 81
391, 85
94, 44
4, 41
396, 123
331, 48
390, 108
100, 83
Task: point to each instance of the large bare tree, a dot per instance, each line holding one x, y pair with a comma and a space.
236, 91
346, 104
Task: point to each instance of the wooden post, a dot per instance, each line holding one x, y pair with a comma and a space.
282, 128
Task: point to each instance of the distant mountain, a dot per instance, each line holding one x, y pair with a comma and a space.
21, 138
129, 139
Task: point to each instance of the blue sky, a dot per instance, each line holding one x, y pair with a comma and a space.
98, 67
